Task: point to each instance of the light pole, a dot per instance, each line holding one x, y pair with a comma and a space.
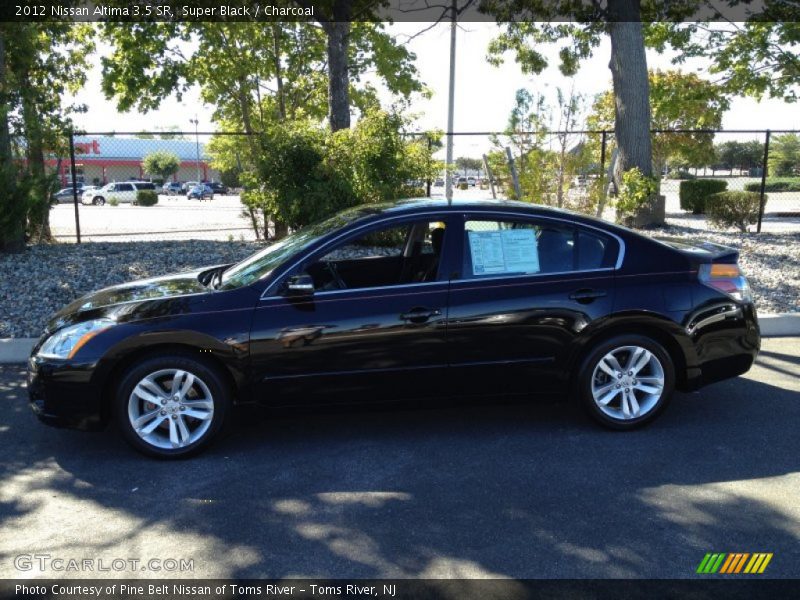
196, 146
448, 177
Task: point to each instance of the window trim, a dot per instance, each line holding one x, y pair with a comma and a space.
373, 226
470, 216
448, 218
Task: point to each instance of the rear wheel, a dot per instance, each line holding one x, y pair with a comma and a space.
98, 201
626, 382
171, 406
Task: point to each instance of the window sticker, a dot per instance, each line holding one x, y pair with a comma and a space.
504, 251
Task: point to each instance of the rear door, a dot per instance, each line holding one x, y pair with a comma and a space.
527, 288
124, 192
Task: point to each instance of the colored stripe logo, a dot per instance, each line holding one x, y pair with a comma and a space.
731, 563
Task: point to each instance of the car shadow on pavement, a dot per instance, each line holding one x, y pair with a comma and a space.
476, 491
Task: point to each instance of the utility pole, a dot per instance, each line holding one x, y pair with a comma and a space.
196, 146
448, 190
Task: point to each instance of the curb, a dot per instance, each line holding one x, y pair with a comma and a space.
17, 350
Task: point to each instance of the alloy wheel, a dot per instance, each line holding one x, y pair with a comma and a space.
171, 408
627, 383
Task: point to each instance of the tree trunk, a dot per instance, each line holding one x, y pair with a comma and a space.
12, 212
632, 101
39, 210
338, 34
276, 49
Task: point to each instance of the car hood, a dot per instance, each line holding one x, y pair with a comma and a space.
118, 301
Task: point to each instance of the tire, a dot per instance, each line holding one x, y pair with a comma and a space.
650, 380
98, 201
181, 424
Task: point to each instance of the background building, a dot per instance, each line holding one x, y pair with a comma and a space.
103, 159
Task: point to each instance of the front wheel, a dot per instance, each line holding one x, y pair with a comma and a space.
171, 406
99, 201
626, 382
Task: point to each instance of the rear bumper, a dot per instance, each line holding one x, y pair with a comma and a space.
724, 348
64, 395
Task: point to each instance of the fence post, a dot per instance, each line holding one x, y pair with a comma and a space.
601, 202
74, 185
428, 181
489, 175
512, 167
761, 202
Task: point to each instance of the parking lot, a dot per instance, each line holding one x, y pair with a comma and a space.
481, 491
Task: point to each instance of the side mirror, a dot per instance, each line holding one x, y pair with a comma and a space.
300, 285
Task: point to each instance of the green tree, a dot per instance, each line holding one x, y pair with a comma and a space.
784, 155
738, 155
254, 74
308, 172
579, 27
758, 57
161, 163
678, 101
41, 62
466, 163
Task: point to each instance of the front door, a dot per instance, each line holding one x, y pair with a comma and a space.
374, 328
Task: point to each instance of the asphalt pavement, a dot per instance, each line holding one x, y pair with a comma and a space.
495, 490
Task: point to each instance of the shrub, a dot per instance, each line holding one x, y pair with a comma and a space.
680, 174
694, 193
113, 201
734, 209
146, 198
463, 186
637, 189
787, 184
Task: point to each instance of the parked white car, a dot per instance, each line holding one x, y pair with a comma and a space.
121, 191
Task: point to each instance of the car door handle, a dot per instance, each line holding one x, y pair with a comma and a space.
420, 314
585, 296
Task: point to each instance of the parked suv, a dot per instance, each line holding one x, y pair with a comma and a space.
121, 191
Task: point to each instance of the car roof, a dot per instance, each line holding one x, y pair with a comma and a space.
488, 205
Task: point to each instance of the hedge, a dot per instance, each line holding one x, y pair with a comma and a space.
146, 198
786, 184
734, 209
694, 193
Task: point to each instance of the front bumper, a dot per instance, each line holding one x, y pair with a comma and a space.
63, 394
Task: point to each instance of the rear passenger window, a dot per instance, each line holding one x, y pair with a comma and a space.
495, 248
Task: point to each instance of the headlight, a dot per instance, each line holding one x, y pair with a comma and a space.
64, 343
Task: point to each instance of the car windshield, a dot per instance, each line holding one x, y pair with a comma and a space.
262, 263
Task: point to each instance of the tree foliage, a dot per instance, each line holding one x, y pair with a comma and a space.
307, 172
678, 101
734, 154
40, 62
784, 155
161, 163
759, 57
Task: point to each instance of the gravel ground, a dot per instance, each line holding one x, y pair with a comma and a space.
38, 282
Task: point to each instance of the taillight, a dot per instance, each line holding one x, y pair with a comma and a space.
727, 279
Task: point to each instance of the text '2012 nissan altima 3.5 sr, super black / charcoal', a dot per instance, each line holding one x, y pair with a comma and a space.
411, 300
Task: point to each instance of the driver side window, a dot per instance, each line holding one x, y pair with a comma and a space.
394, 255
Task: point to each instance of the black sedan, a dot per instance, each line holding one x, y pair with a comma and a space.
416, 299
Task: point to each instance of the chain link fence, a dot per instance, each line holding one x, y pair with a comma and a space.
187, 185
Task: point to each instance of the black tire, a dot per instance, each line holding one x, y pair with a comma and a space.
587, 374
98, 201
202, 371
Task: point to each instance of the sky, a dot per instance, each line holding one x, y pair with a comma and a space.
484, 93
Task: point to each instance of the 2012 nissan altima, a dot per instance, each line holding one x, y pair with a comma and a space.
416, 299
